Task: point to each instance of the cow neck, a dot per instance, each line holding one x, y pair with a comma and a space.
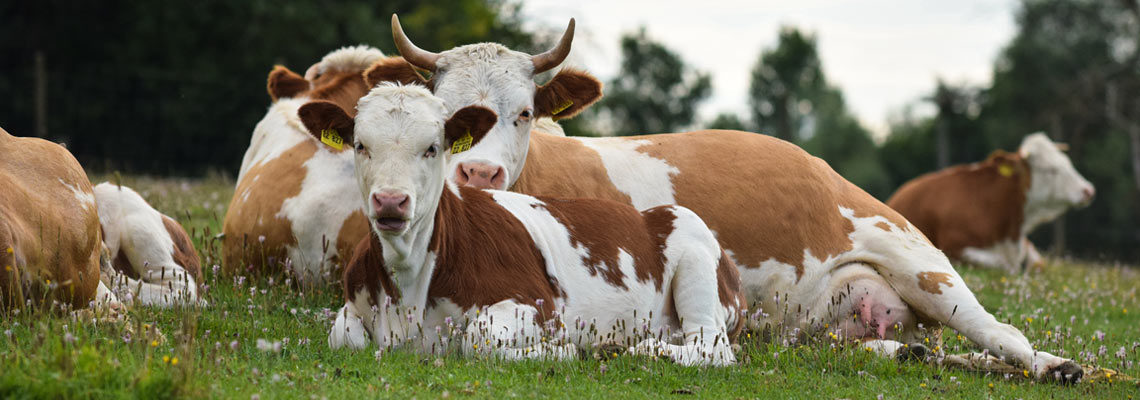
534, 152
410, 259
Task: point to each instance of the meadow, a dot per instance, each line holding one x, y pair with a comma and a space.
264, 337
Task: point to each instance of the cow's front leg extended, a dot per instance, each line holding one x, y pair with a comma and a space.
510, 330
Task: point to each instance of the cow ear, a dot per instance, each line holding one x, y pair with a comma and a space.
570, 92
467, 127
392, 69
328, 123
285, 83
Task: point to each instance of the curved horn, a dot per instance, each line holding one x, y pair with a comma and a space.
551, 58
415, 55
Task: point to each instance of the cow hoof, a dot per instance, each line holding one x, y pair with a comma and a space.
913, 352
1067, 373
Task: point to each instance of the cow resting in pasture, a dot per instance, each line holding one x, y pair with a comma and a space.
288, 209
815, 252
513, 275
50, 242
981, 213
154, 260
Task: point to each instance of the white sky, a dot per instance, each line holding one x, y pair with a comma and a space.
882, 54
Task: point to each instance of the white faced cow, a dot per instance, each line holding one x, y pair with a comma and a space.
811, 247
516, 276
981, 213
154, 259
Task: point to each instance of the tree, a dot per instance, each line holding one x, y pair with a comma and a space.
654, 91
727, 121
785, 81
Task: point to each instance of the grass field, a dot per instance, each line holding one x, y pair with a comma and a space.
1082, 311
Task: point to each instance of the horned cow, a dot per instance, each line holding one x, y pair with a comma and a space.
804, 239
516, 276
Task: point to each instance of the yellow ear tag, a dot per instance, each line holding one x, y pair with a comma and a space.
332, 138
462, 144
1005, 170
562, 107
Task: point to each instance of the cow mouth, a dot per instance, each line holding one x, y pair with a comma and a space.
391, 224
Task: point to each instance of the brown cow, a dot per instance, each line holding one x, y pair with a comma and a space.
50, 243
981, 213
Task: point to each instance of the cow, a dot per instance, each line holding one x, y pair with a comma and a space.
154, 261
517, 276
287, 209
980, 213
50, 243
812, 248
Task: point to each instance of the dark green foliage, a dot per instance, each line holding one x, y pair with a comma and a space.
727, 121
654, 92
177, 86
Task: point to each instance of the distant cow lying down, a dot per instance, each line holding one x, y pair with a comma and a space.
50, 244
154, 260
981, 213
516, 276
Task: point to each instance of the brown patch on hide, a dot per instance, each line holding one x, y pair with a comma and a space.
929, 281
183, 252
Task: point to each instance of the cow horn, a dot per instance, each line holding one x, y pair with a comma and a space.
415, 55
1061, 146
551, 58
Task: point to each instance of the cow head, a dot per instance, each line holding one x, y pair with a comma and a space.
1055, 185
401, 135
502, 80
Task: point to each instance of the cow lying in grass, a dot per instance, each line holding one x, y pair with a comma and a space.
513, 275
815, 253
981, 213
50, 242
154, 260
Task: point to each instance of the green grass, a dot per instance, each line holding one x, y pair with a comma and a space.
44, 355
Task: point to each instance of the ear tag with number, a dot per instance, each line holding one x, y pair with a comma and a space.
462, 144
1005, 170
332, 138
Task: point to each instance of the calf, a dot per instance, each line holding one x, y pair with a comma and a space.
50, 243
812, 248
981, 213
519, 276
154, 259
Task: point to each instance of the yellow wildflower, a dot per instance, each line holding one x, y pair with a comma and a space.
166, 359
174, 361
154, 343
1025, 372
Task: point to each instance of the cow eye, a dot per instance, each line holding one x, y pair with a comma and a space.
431, 150
524, 115
360, 149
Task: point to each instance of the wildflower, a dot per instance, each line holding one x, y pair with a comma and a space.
234, 345
1025, 372
1029, 319
922, 385
154, 343
9, 250
166, 359
69, 338
174, 361
991, 385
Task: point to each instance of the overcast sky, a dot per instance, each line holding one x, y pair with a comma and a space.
882, 54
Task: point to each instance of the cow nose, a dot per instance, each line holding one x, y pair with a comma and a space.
1089, 193
480, 176
387, 204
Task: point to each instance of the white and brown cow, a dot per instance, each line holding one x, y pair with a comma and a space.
516, 276
155, 261
288, 208
50, 243
981, 213
811, 247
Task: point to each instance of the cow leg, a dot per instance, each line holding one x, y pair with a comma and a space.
348, 329
509, 330
703, 318
162, 282
1007, 255
1033, 259
924, 278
